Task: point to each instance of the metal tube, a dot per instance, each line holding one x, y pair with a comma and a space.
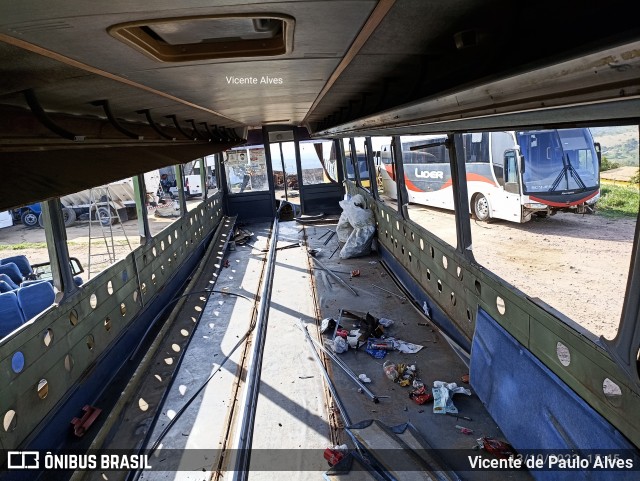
392, 293
325, 374
251, 392
344, 367
335, 276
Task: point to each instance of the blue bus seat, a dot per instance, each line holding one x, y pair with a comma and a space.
22, 262
12, 271
5, 287
7, 280
35, 298
11, 317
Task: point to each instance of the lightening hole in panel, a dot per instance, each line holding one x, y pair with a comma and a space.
564, 356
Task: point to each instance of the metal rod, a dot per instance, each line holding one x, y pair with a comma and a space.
329, 238
336, 272
334, 251
250, 397
335, 276
344, 367
392, 293
325, 374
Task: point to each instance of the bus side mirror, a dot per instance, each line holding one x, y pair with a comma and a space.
598, 153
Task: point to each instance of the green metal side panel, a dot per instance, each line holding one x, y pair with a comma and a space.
460, 287
83, 327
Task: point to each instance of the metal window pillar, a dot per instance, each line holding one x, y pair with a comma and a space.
403, 195
203, 178
180, 186
140, 193
340, 165
373, 174
354, 161
625, 347
460, 194
56, 237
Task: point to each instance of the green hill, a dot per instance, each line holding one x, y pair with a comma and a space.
619, 144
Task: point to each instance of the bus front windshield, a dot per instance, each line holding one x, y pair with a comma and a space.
558, 160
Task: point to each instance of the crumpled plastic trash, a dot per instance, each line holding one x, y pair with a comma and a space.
364, 378
327, 324
384, 322
404, 346
390, 370
339, 345
443, 396
355, 228
420, 395
353, 338
407, 374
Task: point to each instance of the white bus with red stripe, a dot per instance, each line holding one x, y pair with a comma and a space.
511, 175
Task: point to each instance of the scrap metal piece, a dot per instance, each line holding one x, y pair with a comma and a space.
344, 367
392, 293
335, 276
325, 374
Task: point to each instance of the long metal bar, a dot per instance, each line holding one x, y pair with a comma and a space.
344, 367
392, 293
325, 374
249, 403
335, 276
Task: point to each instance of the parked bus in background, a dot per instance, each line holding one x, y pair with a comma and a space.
511, 175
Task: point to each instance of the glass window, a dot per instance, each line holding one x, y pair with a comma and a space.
427, 174
577, 264
212, 178
476, 147
348, 160
361, 161
246, 170
318, 159
385, 170
283, 165
512, 172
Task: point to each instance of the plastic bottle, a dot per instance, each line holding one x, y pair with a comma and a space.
390, 370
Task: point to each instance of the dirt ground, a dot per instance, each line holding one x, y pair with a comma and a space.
577, 264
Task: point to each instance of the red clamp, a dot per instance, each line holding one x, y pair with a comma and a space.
80, 426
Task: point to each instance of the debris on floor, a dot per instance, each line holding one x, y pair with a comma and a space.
496, 447
384, 322
241, 236
339, 345
420, 395
464, 430
443, 396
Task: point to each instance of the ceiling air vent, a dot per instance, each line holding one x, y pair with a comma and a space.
183, 39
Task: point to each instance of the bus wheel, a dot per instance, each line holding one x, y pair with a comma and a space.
481, 208
29, 218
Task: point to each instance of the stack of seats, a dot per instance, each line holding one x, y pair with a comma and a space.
21, 300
